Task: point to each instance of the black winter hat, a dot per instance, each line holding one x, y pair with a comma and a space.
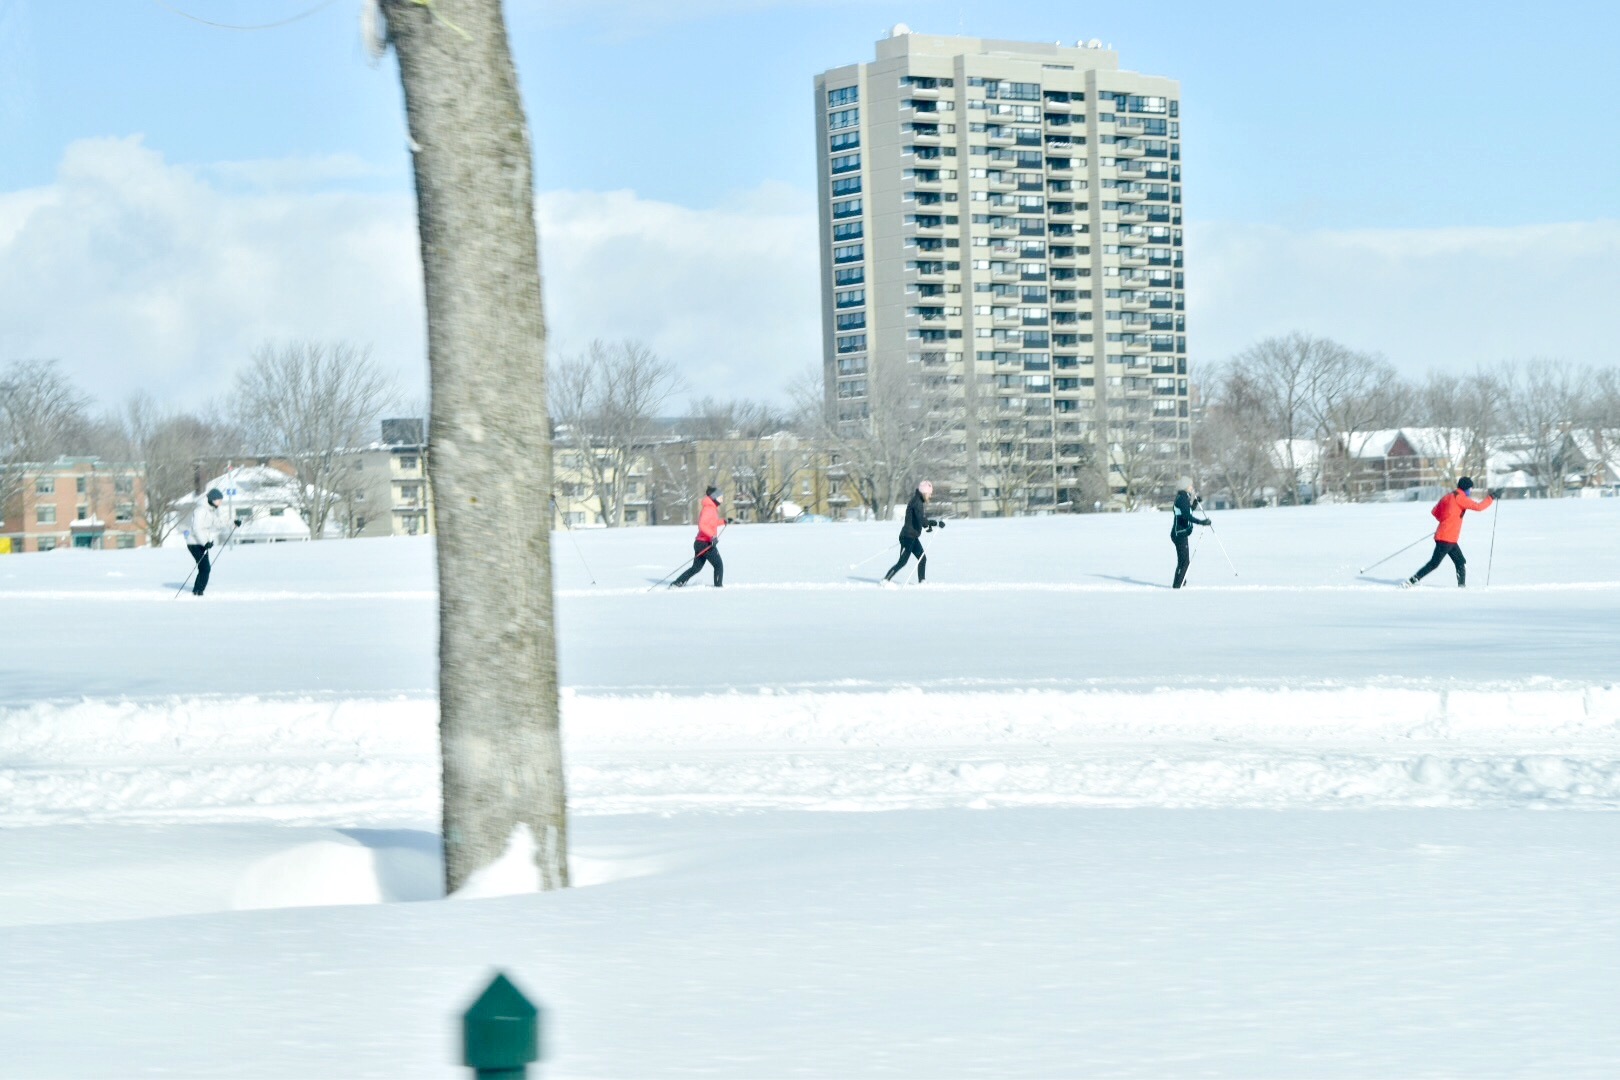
1465, 484
711, 491
215, 495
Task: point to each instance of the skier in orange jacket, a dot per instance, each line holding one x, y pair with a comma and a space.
1449, 513
706, 548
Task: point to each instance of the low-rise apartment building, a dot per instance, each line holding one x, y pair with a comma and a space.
80, 502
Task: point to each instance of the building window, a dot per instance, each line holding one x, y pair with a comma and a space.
843, 118
846, 140
408, 463
45, 485
47, 543
278, 511
124, 485
125, 540
360, 523
45, 515
844, 95
79, 484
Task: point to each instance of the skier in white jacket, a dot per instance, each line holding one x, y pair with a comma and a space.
210, 525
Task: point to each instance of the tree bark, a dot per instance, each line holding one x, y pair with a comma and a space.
491, 460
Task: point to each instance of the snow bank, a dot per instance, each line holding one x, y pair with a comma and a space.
374, 763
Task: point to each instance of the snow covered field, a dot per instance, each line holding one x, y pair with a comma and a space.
1104, 850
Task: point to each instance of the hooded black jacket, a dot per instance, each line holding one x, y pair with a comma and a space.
917, 518
1182, 520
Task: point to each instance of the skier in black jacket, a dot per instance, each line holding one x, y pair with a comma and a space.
917, 523
1181, 526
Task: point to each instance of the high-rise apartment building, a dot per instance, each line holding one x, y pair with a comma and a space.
1001, 238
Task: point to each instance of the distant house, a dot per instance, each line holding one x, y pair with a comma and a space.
263, 497
1370, 464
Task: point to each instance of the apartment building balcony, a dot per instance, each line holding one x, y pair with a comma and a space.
999, 138
1129, 150
915, 276
1058, 105
925, 138
921, 184
1134, 169
929, 92
1126, 126
1064, 273
1134, 303
1054, 168
1137, 348
1009, 274
1133, 213
1006, 228
1132, 257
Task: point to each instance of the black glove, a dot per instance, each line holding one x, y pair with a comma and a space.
929, 527
238, 524
208, 545
728, 521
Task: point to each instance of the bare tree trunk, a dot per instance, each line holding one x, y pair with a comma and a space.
491, 464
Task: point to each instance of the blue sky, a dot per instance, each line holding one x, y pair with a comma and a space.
1384, 129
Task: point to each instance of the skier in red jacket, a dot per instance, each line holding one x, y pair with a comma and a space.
1449, 513
704, 548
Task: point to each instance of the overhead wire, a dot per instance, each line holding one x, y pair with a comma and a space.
233, 26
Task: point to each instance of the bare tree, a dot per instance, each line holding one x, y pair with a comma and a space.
887, 441
1144, 458
1012, 466
1351, 396
172, 448
1540, 401
1596, 426
311, 402
491, 439
604, 403
1464, 413
1232, 442
762, 455
42, 414
1283, 370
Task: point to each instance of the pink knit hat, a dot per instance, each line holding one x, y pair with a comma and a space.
926, 488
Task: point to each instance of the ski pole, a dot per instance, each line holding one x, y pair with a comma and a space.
232, 533
884, 550
1492, 557
1217, 537
695, 558
571, 536
1392, 554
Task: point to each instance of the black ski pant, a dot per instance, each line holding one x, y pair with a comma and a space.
1443, 549
909, 546
199, 553
1183, 559
704, 551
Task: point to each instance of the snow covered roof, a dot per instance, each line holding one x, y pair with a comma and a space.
1427, 442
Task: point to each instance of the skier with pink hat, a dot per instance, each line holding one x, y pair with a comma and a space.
917, 522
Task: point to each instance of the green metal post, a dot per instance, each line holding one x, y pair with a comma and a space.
501, 1032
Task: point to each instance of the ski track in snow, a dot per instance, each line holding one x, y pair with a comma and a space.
374, 762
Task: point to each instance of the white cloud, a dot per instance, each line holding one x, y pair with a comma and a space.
137, 273
1425, 298
728, 295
